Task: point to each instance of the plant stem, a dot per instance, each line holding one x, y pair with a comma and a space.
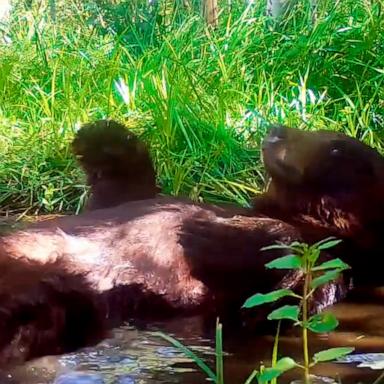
305, 319
219, 354
275, 350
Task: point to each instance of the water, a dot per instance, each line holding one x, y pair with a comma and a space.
133, 356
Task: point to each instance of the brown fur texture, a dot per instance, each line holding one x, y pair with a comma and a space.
118, 164
66, 281
328, 184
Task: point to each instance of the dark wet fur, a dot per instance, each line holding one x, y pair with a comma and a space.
336, 189
67, 281
117, 163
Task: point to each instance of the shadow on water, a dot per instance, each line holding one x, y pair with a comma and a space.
134, 356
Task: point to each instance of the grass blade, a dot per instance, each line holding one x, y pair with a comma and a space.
187, 352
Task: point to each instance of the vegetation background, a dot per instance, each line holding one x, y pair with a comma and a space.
202, 97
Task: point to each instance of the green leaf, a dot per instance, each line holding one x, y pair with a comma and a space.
324, 241
378, 70
327, 243
275, 246
290, 312
332, 354
313, 255
323, 322
261, 298
267, 375
219, 352
325, 278
332, 264
187, 352
283, 365
285, 262
297, 244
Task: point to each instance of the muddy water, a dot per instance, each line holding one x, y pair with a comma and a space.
137, 356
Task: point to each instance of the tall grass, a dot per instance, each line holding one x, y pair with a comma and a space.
201, 98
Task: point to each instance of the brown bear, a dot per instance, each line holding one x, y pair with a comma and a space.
326, 183
66, 281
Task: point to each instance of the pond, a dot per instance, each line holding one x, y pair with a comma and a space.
132, 355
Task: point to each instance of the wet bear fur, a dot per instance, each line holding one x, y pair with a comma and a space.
328, 184
117, 164
324, 184
67, 281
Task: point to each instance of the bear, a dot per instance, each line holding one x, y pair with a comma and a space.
67, 281
325, 183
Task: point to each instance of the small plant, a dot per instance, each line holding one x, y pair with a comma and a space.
305, 258
263, 375
218, 376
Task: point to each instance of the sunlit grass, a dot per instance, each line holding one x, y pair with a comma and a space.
201, 98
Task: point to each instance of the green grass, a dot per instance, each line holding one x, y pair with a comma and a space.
201, 98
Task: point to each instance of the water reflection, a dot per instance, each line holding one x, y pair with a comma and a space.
133, 356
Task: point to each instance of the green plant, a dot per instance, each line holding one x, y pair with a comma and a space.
263, 375
278, 366
305, 258
218, 376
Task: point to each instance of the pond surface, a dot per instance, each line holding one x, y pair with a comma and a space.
133, 356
